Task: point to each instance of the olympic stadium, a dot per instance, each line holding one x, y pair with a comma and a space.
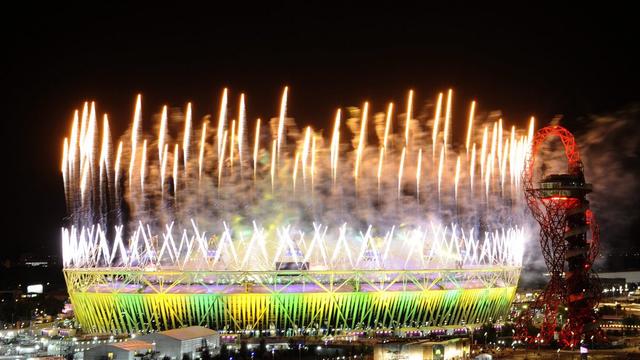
292, 229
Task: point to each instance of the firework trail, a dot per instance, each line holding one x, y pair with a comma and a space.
309, 195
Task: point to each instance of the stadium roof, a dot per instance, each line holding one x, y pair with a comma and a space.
187, 333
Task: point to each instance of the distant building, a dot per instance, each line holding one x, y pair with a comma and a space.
613, 286
119, 351
458, 348
38, 260
190, 340
628, 276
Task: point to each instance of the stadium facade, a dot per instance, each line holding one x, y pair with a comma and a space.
125, 300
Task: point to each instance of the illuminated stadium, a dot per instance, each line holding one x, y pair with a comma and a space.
386, 220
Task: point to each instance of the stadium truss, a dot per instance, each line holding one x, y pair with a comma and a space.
126, 300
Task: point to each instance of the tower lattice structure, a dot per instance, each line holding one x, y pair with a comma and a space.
569, 239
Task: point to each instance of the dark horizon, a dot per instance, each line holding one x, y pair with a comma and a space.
539, 62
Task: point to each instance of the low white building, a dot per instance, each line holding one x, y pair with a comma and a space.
118, 351
190, 340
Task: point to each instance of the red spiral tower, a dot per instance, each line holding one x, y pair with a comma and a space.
569, 238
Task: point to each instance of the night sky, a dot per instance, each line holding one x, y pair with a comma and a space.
523, 61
